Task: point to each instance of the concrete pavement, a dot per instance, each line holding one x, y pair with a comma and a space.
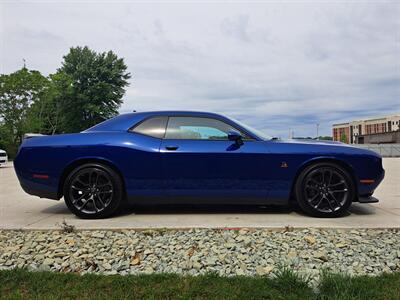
19, 210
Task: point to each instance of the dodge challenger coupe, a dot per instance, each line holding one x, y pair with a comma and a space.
193, 157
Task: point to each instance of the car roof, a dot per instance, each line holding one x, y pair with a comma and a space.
127, 120
176, 112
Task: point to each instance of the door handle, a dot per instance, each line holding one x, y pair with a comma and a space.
171, 148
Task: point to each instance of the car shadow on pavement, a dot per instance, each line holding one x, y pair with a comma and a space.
206, 209
129, 209
355, 209
362, 209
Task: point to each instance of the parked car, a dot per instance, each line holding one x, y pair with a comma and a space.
193, 157
3, 158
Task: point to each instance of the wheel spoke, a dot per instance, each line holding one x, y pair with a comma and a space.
313, 198
314, 181
312, 188
91, 178
94, 204
105, 192
83, 205
81, 182
97, 179
330, 177
323, 176
79, 189
91, 186
334, 199
101, 201
330, 204
319, 202
337, 184
326, 189
79, 198
338, 191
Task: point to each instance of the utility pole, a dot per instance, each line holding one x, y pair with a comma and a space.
317, 131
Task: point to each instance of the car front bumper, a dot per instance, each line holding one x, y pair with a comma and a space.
367, 199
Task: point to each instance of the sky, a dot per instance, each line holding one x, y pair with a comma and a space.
273, 65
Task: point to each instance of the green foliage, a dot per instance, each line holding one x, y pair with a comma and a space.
6, 138
286, 278
346, 287
94, 86
45, 115
325, 138
285, 284
343, 138
87, 89
46, 285
17, 93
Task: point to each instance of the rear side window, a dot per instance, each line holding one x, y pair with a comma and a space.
154, 127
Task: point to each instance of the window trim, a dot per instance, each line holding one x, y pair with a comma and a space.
233, 125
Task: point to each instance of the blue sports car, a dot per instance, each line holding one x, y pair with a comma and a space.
193, 157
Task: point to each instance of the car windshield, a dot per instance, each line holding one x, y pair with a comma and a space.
257, 132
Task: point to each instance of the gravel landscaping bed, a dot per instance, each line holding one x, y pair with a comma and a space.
199, 251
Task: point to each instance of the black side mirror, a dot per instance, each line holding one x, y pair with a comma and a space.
235, 137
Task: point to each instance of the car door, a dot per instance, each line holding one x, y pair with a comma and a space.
200, 162
142, 162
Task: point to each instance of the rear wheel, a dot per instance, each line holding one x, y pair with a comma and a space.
325, 190
93, 191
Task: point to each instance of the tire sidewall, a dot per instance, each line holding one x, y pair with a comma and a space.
304, 204
115, 202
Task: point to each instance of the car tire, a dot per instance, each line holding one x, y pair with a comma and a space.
325, 190
93, 191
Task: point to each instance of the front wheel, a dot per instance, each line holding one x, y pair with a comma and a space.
93, 191
325, 190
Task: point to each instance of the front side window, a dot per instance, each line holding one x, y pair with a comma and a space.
154, 127
195, 128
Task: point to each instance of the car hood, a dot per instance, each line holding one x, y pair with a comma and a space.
316, 142
324, 147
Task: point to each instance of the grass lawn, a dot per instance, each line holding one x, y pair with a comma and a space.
17, 284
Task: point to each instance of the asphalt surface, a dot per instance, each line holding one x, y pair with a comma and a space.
19, 210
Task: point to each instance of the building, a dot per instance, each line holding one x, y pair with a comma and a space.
341, 132
369, 131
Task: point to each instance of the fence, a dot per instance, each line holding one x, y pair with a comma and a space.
386, 150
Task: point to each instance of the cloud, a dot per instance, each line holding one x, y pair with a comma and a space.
237, 27
274, 66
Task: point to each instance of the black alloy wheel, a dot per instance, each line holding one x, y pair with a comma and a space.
325, 190
93, 191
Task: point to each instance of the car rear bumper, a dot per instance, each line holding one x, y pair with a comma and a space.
38, 190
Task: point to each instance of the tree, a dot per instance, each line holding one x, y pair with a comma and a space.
86, 90
325, 138
343, 138
45, 115
17, 93
90, 87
